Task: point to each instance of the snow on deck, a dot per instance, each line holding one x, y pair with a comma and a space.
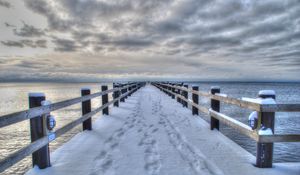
153, 134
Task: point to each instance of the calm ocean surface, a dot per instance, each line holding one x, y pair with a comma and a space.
14, 97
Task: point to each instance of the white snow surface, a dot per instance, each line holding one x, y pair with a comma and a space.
215, 87
253, 115
36, 94
266, 131
222, 95
152, 134
263, 101
266, 92
46, 102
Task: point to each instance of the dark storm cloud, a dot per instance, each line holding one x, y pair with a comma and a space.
4, 3
43, 7
9, 25
132, 42
12, 43
65, 45
213, 41
41, 43
28, 31
26, 43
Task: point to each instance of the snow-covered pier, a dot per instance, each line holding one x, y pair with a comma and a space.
153, 131
153, 134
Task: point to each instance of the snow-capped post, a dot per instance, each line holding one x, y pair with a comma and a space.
169, 89
186, 96
122, 92
165, 89
181, 93
129, 89
126, 90
135, 88
173, 90
264, 151
178, 92
104, 99
86, 108
214, 105
195, 98
116, 95
38, 127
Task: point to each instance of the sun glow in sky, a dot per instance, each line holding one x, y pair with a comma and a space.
92, 40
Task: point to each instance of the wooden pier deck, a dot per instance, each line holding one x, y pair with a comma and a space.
153, 134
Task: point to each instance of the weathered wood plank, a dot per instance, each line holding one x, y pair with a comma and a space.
201, 108
228, 100
245, 104
78, 121
280, 108
16, 117
241, 127
22, 153
279, 138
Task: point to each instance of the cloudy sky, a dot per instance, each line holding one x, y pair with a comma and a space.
91, 40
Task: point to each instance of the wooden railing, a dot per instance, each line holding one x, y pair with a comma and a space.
41, 137
266, 115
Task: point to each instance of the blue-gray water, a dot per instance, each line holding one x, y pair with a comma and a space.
13, 97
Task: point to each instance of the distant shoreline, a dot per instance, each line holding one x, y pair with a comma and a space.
175, 81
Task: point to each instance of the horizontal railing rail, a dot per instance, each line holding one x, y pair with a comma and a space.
180, 93
243, 103
16, 117
39, 111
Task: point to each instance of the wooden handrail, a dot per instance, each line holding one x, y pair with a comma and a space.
229, 100
36, 145
279, 138
242, 103
201, 108
16, 117
239, 126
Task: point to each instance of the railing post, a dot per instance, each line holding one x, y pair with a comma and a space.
173, 90
166, 88
116, 95
104, 100
169, 89
264, 151
86, 108
215, 105
41, 157
186, 96
133, 87
178, 92
195, 98
122, 92
126, 90
129, 89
